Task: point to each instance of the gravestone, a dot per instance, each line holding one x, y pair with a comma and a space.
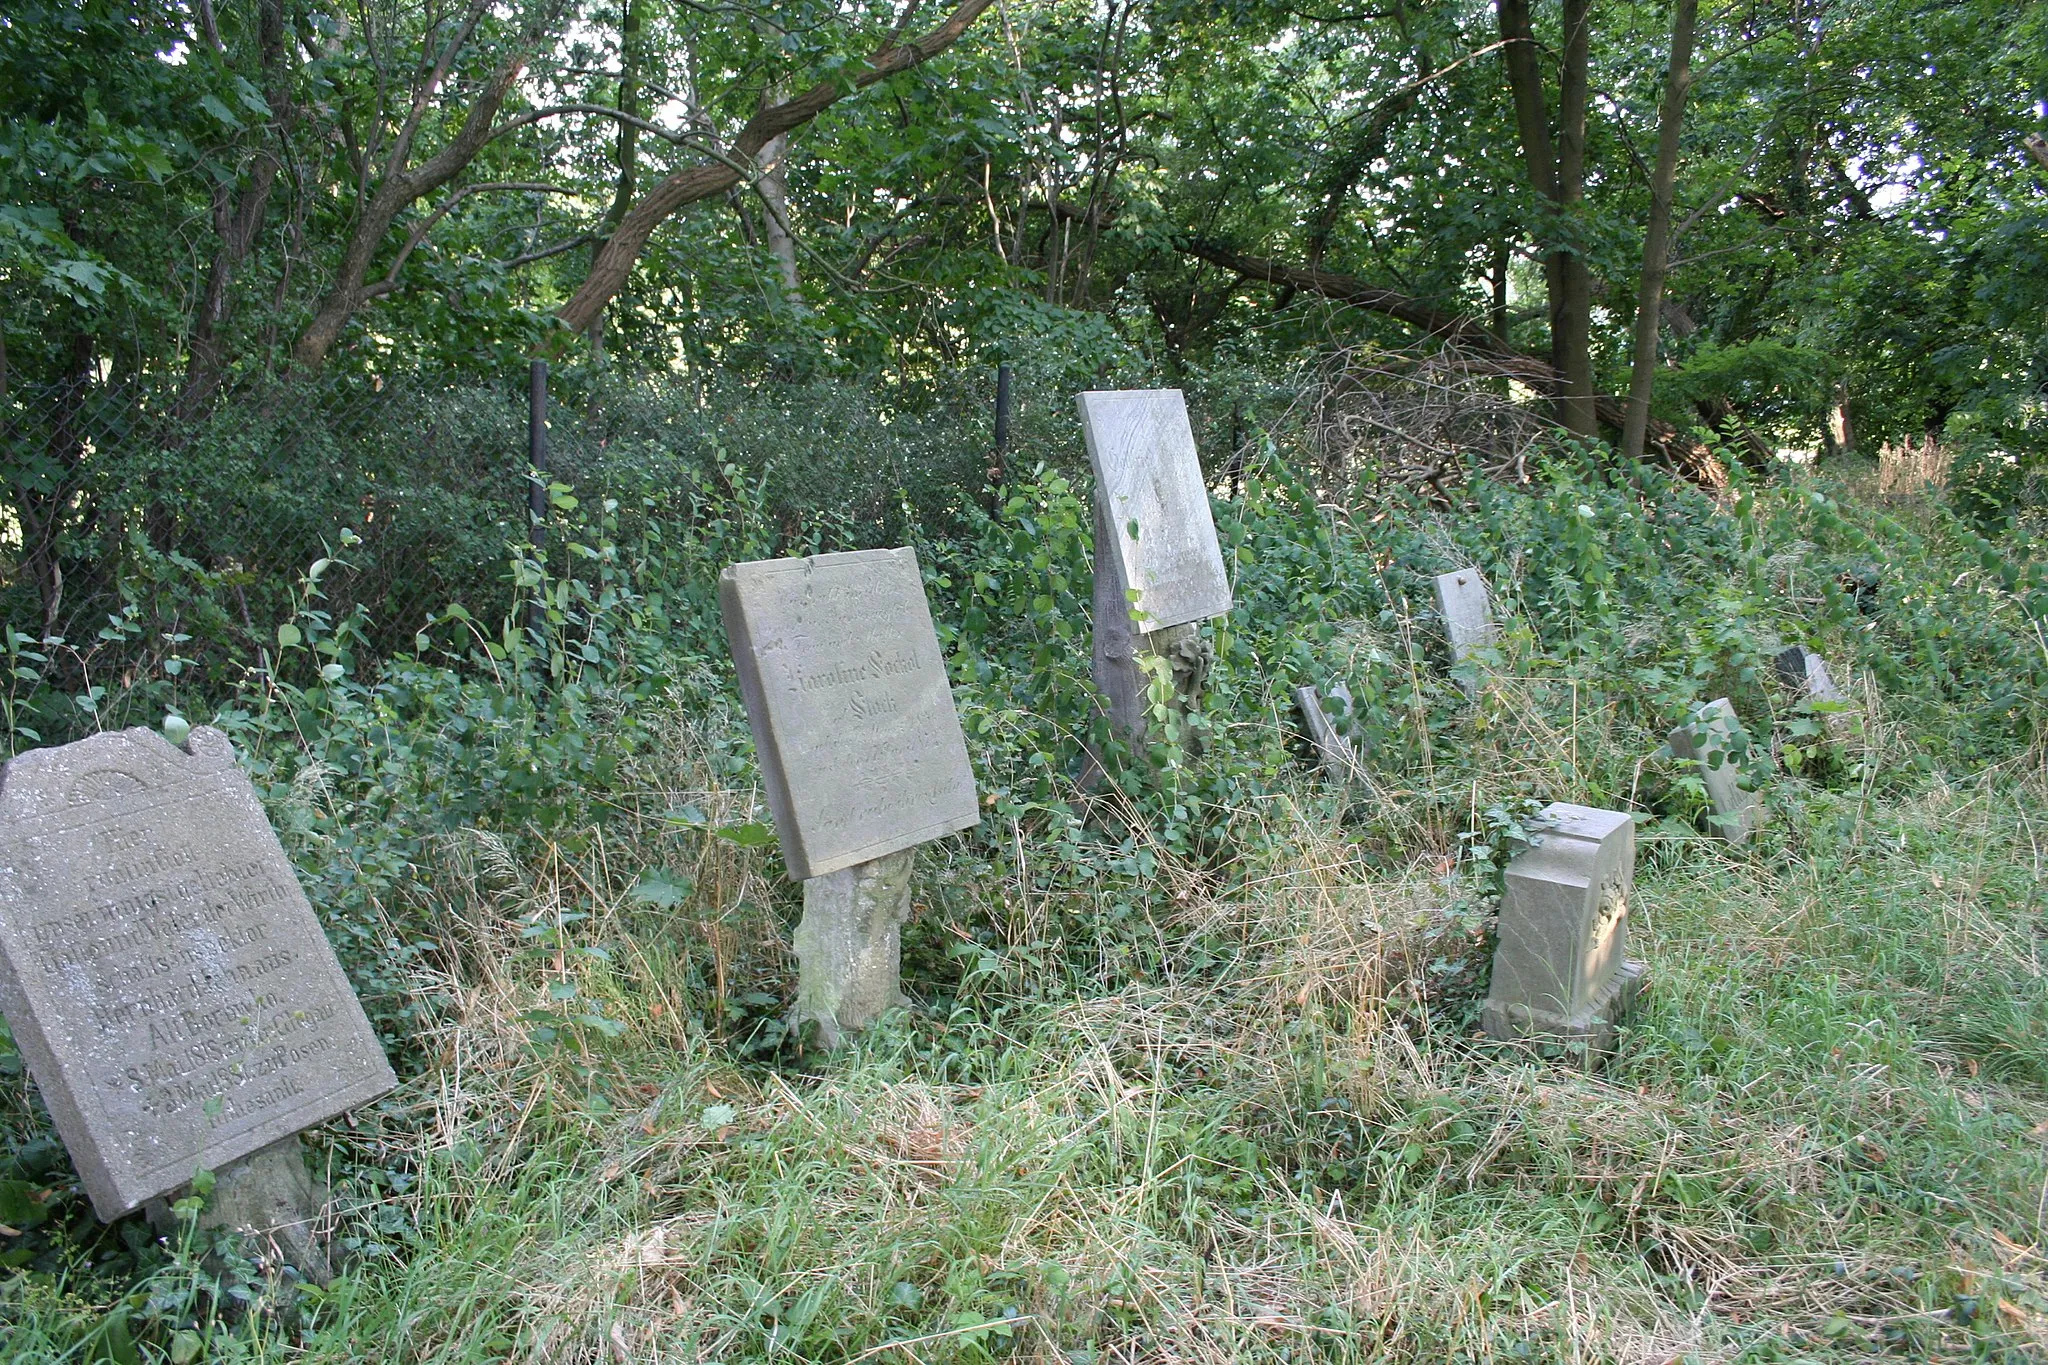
1339, 756
1561, 971
1462, 602
1710, 738
1153, 535
861, 756
164, 975
1806, 673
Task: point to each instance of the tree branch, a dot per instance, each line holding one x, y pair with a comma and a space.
1682, 454
693, 184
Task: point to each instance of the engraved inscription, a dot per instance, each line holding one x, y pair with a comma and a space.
169, 983
849, 702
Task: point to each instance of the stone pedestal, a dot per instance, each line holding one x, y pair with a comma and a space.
1710, 738
1561, 972
849, 946
1462, 602
273, 1202
1339, 756
1120, 645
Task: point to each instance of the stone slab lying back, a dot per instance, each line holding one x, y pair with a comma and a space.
1149, 487
1339, 756
859, 745
164, 975
1710, 738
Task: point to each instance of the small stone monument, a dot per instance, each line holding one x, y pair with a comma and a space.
1339, 756
1806, 673
1561, 972
1153, 534
1711, 737
861, 757
1467, 614
168, 983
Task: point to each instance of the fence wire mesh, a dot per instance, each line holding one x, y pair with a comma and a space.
115, 502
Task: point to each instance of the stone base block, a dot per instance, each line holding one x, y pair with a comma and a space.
1589, 1036
272, 1201
849, 946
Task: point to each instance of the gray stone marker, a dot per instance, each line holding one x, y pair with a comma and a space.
1153, 533
1561, 971
1339, 756
1467, 614
861, 755
164, 975
1806, 673
1709, 739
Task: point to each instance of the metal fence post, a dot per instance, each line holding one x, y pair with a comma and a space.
998, 467
537, 476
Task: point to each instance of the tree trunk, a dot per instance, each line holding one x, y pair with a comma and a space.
773, 183
1663, 183
694, 184
401, 184
1571, 335
237, 221
1557, 174
629, 140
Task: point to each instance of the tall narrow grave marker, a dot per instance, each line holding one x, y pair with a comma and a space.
1339, 756
1713, 739
165, 977
1561, 972
1462, 602
861, 756
1153, 535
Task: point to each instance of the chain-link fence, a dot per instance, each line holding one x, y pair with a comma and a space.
119, 510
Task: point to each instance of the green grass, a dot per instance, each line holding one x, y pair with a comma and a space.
1216, 1105
1825, 1140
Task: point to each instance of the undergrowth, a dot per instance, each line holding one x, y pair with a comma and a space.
1192, 1072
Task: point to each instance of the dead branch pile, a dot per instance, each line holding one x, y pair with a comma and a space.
1370, 416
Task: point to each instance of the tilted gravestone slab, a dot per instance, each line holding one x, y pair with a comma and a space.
1467, 614
1149, 489
1338, 755
861, 754
164, 975
1806, 673
1711, 739
1561, 972
859, 745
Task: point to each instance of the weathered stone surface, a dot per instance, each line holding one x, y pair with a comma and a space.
271, 1199
164, 975
860, 748
1710, 738
1806, 673
1561, 972
849, 945
1149, 492
1462, 602
1339, 756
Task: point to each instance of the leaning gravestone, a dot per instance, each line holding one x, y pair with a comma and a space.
1806, 673
1561, 972
1712, 738
1154, 536
1462, 602
165, 976
1338, 755
861, 756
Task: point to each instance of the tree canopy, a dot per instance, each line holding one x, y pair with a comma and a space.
1856, 230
